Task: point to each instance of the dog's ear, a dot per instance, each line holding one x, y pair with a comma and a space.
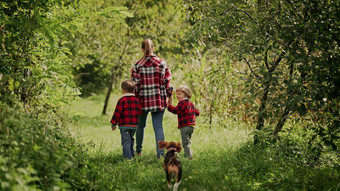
162, 144
178, 147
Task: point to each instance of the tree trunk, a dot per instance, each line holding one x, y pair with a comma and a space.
113, 75
210, 113
286, 112
260, 118
282, 121
108, 93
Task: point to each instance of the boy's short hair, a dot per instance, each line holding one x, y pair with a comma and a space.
184, 89
128, 86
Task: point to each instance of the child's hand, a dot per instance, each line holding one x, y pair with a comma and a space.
113, 127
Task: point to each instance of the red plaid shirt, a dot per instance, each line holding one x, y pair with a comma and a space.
186, 113
127, 111
152, 78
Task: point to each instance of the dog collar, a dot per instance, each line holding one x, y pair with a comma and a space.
172, 149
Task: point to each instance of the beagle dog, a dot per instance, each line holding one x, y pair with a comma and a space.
172, 165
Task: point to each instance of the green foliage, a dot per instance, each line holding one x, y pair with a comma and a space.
281, 166
275, 60
105, 50
34, 58
37, 155
36, 82
210, 79
289, 52
95, 49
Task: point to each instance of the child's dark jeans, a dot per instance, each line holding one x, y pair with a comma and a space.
128, 142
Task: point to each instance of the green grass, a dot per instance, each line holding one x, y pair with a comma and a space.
224, 157
94, 129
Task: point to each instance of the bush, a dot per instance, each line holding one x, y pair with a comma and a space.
286, 164
35, 154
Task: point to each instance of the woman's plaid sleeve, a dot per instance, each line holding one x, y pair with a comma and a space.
136, 78
167, 79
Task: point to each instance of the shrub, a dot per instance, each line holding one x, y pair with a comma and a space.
37, 154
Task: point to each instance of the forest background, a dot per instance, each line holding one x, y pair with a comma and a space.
265, 75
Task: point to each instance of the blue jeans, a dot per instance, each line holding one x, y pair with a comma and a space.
157, 123
128, 142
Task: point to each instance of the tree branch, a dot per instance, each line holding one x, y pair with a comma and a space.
266, 59
276, 63
251, 70
3, 38
245, 12
2, 26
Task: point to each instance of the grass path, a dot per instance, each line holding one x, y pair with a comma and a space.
224, 157
211, 148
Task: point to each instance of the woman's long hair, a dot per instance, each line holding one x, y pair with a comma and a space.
147, 46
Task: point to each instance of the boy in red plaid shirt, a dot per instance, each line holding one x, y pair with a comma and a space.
186, 113
126, 116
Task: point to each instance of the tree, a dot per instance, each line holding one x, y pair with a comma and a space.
158, 20
290, 49
96, 46
37, 53
34, 56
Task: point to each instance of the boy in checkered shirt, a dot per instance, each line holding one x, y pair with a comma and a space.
186, 113
126, 116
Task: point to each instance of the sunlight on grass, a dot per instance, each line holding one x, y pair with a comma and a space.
94, 129
208, 145
224, 156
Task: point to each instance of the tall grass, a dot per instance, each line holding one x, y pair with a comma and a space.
224, 157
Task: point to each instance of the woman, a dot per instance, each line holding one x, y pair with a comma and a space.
152, 78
